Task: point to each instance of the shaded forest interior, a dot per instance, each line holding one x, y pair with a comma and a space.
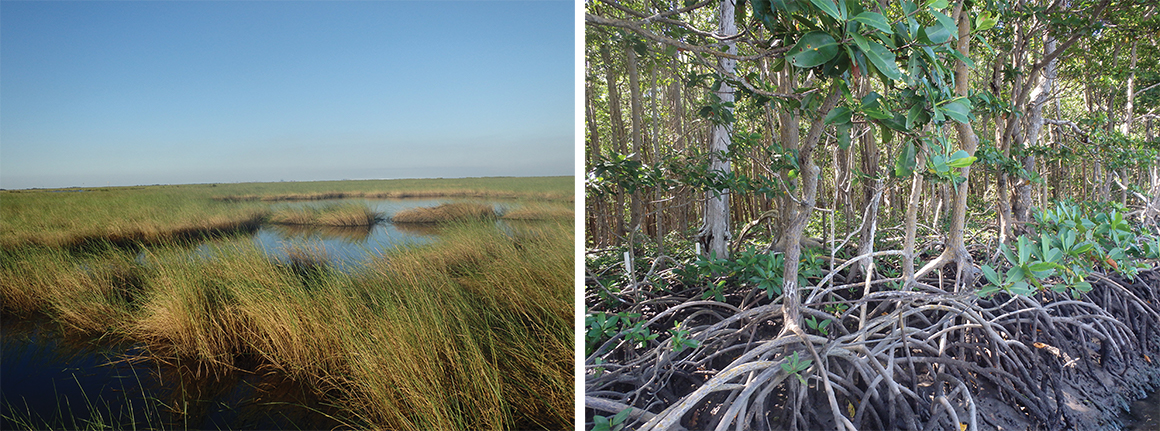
820, 214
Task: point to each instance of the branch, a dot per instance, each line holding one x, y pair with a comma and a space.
610, 406
1146, 89
1060, 48
663, 17
636, 28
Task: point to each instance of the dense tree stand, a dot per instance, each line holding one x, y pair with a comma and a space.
921, 215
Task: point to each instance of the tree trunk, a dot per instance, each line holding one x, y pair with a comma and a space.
658, 198
872, 196
1127, 127
1003, 143
596, 229
634, 223
800, 215
682, 200
617, 131
911, 223
715, 235
1039, 96
789, 130
956, 249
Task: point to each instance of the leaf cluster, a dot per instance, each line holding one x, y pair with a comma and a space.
1072, 243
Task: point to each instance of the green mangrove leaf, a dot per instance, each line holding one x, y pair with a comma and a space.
966, 60
879, 55
985, 21
987, 290
839, 115
934, 35
959, 110
916, 116
814, 49
904, 165
1016, 275
1025, 249
830, 9
960, 159
938, 4
947, 24
875, 20
1042, 267
1022, 288
991, 275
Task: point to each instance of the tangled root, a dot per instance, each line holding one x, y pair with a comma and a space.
915, 360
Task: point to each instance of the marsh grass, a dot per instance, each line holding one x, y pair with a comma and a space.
157, 214
473, 331
539, 210
122, 216
541, 188
90, 294
337, 215
349, 234
446, 213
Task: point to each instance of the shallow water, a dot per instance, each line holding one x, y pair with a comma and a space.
52, 381
350, 246
1144, 415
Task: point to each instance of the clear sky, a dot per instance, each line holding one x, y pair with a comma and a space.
126, 93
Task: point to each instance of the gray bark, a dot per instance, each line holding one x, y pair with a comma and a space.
637, 134
715, 233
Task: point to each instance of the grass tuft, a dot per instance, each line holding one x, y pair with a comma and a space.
340, 215
540, 211
452, 212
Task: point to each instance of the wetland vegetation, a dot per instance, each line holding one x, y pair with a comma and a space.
469, 330
865, 215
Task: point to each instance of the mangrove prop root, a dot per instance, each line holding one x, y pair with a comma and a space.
917, 360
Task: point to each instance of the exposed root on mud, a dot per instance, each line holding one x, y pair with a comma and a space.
926, 359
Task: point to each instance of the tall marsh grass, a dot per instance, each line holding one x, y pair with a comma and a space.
539, 210
473, 331
446, 213
338, 215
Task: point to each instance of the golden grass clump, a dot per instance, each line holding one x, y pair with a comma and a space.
540, 211
331, 215
91, 296
522, 327
450, 212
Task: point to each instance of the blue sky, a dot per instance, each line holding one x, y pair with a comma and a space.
125, 93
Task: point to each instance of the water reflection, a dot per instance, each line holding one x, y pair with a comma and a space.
347, 247
348, 234
55, 381
350, 247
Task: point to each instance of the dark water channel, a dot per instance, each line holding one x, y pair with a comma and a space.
50, 379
